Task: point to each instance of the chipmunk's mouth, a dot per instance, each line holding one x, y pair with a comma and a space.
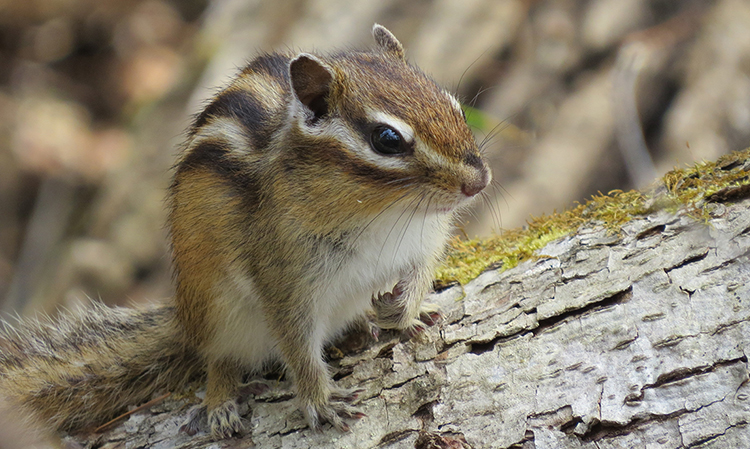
453, 206
450, 207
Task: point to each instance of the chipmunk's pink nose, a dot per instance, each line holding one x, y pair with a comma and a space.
471, 189
477, 184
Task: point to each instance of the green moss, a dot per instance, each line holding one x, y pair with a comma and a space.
690, 188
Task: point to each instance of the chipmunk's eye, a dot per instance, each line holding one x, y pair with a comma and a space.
386, 140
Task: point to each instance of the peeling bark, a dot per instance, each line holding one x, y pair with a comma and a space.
629, 340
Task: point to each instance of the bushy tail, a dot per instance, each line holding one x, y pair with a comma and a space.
87, 366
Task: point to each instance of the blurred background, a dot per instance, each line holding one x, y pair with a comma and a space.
569, 97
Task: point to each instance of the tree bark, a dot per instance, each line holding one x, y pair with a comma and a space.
629, 340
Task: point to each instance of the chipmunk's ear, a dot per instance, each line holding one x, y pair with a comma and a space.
311, 83
387, 42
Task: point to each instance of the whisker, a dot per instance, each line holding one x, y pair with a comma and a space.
405, 229
499, 192
458, 86
496, 185
372, 220
424, 220
479, 93
409, 178
493, 209
494, 132
497, 217
385, 240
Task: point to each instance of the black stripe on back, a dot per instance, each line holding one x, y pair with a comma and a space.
214, 156
242, 106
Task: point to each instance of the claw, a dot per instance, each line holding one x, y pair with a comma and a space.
373, 328
225, 421
431, 318
415, 330
335, 410
346, 395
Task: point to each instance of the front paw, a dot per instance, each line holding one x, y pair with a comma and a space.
224, 421
392, 313
334, 411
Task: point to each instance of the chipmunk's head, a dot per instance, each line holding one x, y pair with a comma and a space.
390, 132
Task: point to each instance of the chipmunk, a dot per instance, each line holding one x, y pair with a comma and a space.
309, 186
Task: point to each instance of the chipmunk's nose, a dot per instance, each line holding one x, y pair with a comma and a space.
471, 189
479, 175
477, 183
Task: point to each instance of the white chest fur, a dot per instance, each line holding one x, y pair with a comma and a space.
388, 248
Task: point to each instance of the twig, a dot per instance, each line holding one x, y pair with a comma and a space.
106, 425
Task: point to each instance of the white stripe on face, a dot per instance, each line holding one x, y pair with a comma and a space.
454, 101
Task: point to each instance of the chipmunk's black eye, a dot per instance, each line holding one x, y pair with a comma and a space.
386, 140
